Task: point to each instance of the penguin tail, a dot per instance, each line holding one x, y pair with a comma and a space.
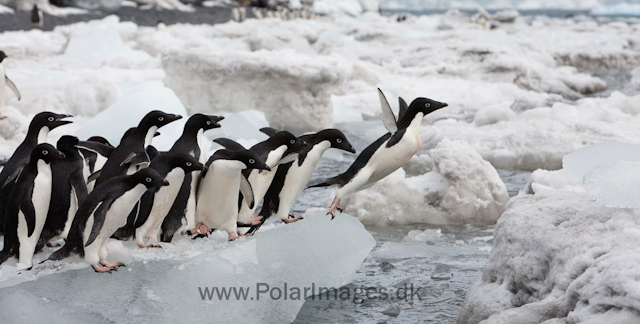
4, 255
60, 254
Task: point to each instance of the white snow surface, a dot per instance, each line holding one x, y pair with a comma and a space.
559, 257
162, 284
462, 189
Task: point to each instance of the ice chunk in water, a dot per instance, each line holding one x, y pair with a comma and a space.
127, 112
580, 162
162, 286
616, 184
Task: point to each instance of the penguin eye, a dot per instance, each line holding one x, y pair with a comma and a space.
252, 161
160, 118
427, 105
292, 141
189, 163
208, 122
51, 119
148, 179
45, 152
338, 141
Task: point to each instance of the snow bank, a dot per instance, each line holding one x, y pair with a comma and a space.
163, 284
348, 7
293, 91
559, 255
462, 189
127, 112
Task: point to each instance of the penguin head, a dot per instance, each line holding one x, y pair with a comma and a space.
67, 144
49, 119
46, 152
157, 118
185, 161
204, 122
150, 178
99, 139
336, 138
426, 105
2, 56
293, 143
250, 159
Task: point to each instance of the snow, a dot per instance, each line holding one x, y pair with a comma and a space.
462, 189
559, 255
577, 164
625, 9
616, 184
162, 284
492, 115
349, 7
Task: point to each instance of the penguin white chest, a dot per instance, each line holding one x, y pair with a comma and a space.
40, 198
164, 198
217, 205
2, 86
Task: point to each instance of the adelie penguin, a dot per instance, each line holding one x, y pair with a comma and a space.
219, 190
69, 190
292, 178
388, 153
37, 19
156, 203
102, 213
5, 82
28, 204
182, 215
38, 131
281, 147
131, 153
95, 157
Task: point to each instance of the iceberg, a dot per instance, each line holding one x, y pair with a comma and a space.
580, 162
169, 285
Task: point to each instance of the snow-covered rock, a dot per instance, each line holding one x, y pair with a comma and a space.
167, 285
559, 257
293, 91
462, 189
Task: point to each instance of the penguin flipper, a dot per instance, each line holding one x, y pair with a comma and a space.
247, 191
229, 144
388, 118
152, 152
12, 86
95, 147
98, 220
403, 108
94, 176
29, 213
79, 186
287, 159
14, 176
146, 205
269, 131
326, 183
136, 158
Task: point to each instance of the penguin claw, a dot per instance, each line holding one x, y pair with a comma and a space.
333, 215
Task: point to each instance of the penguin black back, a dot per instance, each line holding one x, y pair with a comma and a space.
67, 184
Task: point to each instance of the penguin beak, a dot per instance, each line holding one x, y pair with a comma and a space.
352, 150
61, 155
63, 122
204, 168
266, 167
156, 134
176, 117
444, 104
165, 182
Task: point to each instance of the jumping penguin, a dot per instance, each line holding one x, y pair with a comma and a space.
102, 213
387, 154
219, 190
156, 203
38, 131
131, 152
292, 178
182, 215
28, 205
5, 81
69, 190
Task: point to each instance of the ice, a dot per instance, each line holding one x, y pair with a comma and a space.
559, 255
492, 115
162, 285
103, 5
127, 112
99, 42
219, 81
577, 164
462, 188
625, 9
616, 184
349, 7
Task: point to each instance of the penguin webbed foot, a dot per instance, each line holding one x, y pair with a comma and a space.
113, 265
99, 269
53, 245
233, 236
148, 246
292, 220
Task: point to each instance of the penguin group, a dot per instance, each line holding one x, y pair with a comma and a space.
240, 14
87, 192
